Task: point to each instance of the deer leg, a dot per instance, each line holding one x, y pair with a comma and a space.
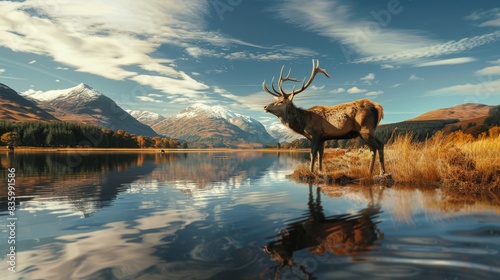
321, 151
373, 143
314, 151
381, 156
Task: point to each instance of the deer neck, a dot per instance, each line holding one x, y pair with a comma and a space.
294, 118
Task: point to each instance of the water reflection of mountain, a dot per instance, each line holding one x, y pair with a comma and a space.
85, 182
197, 174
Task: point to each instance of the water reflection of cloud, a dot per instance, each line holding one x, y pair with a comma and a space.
118, 250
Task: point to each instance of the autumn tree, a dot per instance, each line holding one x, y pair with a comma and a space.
10, 138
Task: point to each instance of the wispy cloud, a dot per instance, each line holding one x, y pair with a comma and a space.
120, 40
412, 55
488, 18
450, 61
482, 88
491, 70
339, 22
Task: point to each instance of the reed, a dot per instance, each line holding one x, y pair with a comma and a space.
456, 162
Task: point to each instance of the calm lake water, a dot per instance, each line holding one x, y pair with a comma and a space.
215, 215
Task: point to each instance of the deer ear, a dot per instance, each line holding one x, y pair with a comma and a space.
290, 97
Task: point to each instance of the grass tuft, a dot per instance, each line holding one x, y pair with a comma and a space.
456, 162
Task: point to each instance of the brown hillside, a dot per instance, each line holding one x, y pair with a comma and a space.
461, 112
14, 107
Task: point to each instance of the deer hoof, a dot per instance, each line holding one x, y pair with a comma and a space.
384, 179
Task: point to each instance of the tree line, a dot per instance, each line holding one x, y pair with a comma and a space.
65, 134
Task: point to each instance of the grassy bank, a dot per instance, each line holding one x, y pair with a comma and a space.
457, 161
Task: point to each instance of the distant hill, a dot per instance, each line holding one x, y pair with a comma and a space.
83, 104
205, 126
461, 112
14, 107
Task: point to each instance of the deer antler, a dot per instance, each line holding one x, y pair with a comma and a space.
282, 79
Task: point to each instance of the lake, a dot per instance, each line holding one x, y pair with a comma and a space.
232, 215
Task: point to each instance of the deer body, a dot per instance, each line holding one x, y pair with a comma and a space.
322, 123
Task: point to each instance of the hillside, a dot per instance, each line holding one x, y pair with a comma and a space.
14, 107
461, 112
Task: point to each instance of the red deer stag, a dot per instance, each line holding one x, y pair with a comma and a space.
322, 123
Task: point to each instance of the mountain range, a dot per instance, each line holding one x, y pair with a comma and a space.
199, 125
206, 126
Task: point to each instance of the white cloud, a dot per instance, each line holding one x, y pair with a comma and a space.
356, 90
451, 61
368, 78
389, 66
316, 88
32, 62
339, 90
375, 43
374, 93
414, 77
2, 70
491, 70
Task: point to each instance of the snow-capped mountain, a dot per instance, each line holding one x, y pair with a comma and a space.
282, 133
85, 104
81, 92
146, 117
214, 126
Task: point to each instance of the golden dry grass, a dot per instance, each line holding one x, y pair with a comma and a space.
457, 161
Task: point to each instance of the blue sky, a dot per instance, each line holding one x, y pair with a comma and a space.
163, 55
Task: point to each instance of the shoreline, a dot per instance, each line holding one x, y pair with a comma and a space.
145, 150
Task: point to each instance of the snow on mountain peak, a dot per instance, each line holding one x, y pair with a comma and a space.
82, 90
217, 112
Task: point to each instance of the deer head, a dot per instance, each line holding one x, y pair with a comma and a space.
284, 99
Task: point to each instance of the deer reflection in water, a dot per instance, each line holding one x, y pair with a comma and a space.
347, 234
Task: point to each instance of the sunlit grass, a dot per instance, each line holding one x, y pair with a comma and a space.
456, 161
